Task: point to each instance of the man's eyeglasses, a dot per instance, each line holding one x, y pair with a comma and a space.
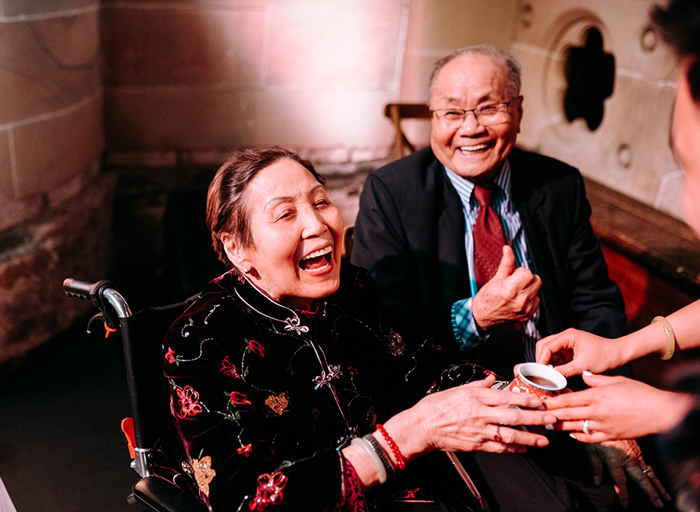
486, 115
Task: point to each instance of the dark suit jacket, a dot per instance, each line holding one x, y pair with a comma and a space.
410, 235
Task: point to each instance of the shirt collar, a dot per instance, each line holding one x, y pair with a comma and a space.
465, 188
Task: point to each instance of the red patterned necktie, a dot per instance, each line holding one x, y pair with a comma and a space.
505, 348
488, 237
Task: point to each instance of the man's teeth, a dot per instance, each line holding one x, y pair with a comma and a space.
318, 253
471, 149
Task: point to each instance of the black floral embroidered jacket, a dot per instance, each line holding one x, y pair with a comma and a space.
263, 396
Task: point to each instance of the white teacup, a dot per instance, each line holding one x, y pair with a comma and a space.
538, 379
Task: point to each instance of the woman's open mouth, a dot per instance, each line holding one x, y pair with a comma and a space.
317, 259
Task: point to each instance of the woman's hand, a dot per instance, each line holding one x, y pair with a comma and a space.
617, 408
624, 458
469, 418
574, 352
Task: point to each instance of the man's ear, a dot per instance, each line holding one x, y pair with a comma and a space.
235, 253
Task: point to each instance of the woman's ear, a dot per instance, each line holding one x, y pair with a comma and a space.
235, 253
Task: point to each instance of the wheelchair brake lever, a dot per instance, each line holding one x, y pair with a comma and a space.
99, 317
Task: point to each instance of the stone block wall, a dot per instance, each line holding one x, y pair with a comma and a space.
629, 150
55, 209
184, 79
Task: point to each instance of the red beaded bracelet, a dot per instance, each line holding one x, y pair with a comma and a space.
400, 461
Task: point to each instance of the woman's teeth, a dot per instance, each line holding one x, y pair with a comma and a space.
316, 259
318, 253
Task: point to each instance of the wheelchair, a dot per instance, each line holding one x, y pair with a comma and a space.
141, 335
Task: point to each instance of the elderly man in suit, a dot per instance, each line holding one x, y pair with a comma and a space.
487, 248
418, 215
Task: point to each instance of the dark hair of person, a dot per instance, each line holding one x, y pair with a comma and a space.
678, 24
509, 63
227, 208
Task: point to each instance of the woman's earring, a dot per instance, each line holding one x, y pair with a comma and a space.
246, 270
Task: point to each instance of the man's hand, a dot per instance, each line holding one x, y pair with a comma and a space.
509, 297
625, 456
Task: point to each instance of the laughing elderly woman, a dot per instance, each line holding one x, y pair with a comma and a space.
289, 387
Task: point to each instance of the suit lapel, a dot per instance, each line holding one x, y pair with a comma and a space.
449, 237
531, 202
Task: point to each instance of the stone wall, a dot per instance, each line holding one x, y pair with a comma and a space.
55, 209
185, 79
616, 55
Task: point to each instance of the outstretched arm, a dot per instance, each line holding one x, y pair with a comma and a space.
574, 352
618, 408
465, 418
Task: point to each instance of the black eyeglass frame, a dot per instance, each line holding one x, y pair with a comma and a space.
478, 110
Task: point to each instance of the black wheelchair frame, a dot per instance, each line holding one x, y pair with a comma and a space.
141, 335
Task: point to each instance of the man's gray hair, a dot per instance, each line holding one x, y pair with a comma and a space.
510, 65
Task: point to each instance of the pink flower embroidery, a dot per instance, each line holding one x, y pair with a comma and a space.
239, 398
256, 347
229, 369
269, 491
246, 450
170, 356
189, 401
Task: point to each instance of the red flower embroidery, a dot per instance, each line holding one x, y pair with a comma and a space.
170, 356
411, 494
246, 450
353, 370
189, 401
256, 347
239, 398
269, 491
229, 369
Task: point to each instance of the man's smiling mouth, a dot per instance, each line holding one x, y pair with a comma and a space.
468, 150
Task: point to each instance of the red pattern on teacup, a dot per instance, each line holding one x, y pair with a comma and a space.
519, 386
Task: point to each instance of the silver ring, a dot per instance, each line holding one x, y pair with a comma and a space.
585, 426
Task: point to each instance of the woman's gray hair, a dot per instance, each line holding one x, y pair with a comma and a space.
509, 63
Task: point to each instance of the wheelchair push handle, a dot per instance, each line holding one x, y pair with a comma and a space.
78, 289
103, 296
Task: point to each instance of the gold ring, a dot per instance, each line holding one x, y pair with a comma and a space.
649, 472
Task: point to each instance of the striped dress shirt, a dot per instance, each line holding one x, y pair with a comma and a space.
463, 325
